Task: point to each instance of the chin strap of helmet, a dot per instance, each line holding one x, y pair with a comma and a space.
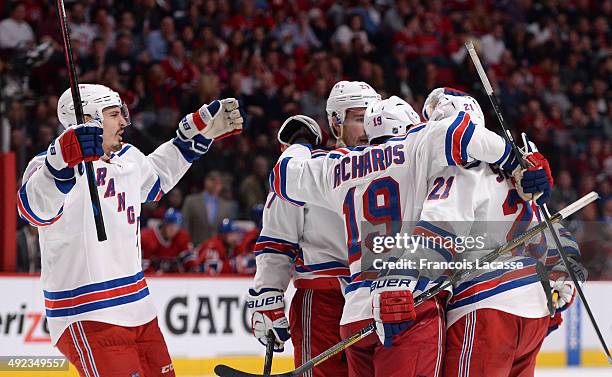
339, 138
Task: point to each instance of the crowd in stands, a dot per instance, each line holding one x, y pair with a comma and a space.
549, 61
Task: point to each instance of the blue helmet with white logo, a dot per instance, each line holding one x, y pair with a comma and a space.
227, 226
172, 216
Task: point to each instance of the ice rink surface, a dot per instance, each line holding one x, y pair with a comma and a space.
574, 372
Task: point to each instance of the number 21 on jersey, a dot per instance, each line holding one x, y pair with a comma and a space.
438, 183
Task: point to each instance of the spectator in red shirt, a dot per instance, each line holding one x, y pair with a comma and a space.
178, 68
167, 247
428, 42
225, 252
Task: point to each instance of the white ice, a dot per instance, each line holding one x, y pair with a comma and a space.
574, 372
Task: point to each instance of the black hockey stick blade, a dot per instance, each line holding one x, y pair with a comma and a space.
227, 371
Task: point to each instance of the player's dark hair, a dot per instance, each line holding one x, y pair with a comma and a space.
380, 140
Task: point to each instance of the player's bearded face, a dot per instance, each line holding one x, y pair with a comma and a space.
114, 125
353, 133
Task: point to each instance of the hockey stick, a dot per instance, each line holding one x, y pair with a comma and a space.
540, 268
544, 209
227, 371
269, 353
544, 278
78, 109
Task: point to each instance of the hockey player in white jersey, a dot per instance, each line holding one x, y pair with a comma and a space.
97, 303
308, 241
497, 320
366, 185
510, 302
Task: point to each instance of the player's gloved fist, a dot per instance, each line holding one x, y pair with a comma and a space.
535, 182
216, 121
267, 309
563, 289
299, 129
219, 119
77, 144
537, 179
392, 307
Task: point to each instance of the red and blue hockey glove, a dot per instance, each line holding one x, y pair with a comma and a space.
392, 307
215, 121
535, 182
77, 144
267, 309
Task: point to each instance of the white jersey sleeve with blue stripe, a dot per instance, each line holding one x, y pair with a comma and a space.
297, 178
277, 246
38, 183
163, 168
459, 141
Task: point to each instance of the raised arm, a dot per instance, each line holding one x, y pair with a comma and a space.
196, 132
298, 178
458, 140
51, 175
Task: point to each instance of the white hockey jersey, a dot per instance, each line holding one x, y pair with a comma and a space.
386, 186
304, 240
501, 215
84, 279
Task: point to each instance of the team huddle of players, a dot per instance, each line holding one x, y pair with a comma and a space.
446, 178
